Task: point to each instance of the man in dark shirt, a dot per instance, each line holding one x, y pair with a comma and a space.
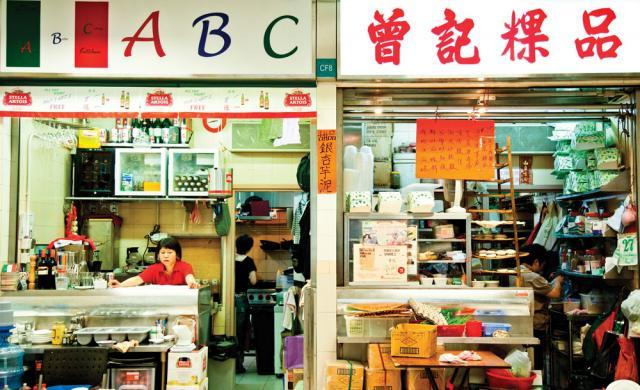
245, 276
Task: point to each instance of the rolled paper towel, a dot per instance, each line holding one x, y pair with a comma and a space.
349, 157
350, 180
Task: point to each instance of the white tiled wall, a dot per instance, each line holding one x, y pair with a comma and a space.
324, 251
5, 182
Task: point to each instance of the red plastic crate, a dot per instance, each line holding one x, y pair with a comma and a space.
504, 379
450, 330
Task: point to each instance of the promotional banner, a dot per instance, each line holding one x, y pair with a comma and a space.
87, 102
467, 38
455, 149
157, 37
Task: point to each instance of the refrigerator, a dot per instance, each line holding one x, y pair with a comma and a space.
189, 171
141, 172
92, 172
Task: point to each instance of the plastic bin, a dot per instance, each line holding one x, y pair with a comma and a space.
371, 326
504, 379
450, 330
489, 327
474, 328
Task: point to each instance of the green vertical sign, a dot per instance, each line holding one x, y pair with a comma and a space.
23, 33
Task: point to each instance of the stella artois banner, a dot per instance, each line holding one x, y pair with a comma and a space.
73, 102
248, 38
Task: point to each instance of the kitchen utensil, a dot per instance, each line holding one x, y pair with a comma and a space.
133, 257
150, 256
184, 335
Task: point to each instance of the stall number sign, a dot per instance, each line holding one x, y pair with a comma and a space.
455, 149
627, 249
469, 38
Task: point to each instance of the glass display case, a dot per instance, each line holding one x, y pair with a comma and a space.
140, 172
401, 249
189, 171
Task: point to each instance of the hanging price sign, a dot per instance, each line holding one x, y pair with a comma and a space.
627, 249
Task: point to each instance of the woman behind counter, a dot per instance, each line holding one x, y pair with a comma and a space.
171, 270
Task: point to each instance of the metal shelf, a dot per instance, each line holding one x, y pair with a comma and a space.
141, 145
145, 198
442, 261
576, 236
408, 216
442, 240
449, 340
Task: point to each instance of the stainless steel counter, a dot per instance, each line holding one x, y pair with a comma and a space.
145, 348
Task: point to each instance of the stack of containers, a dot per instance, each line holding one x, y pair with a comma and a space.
11, 355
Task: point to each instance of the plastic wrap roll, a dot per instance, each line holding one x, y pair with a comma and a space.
350, 180
349, 157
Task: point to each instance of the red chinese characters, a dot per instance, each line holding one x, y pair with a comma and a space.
387, 34
527, 31
606, 46
451, 44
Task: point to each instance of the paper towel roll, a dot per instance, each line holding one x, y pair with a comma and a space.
349, 157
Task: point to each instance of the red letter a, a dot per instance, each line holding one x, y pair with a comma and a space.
153, 18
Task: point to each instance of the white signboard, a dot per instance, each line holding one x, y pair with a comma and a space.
468, 38
379, 263
158, 37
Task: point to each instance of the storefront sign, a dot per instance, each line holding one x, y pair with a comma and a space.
157, 37
326, 156
220, 103
467, 38
455, 149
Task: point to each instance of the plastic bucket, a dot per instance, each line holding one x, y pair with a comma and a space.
504, 379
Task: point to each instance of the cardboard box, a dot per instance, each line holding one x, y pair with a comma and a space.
416, 379
413, 340
292, 377
379, 356
444, 231
187, 368
382, 173
204, 385
383, 379
345, 375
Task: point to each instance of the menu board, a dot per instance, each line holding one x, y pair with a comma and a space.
455, 149
379, 263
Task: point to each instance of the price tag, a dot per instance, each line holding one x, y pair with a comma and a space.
628, 249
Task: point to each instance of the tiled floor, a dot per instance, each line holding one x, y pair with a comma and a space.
252, 381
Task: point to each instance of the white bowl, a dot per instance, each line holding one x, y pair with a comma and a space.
477, 283
440, 281
426, 281
492, 283
84, 339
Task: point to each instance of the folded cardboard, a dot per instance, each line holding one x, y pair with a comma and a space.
345, 375
416, 379
413, 340
383, 379
187, 368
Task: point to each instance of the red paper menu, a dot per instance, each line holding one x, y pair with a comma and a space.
455, 149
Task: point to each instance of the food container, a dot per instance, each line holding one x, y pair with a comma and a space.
425, 281
139, 334
118, 334
102, 334
474, 328
450, 330
478, 283
504, 379
592, 303
371, 326
440, 281
492, 283
488, 328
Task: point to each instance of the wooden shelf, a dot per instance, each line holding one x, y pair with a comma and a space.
506, 257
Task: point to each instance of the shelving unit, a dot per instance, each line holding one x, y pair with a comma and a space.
353, 235
508, 213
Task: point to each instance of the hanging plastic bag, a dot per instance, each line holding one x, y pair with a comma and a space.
627, 366
520, 363
222, 219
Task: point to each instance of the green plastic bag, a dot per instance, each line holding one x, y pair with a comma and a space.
222, 220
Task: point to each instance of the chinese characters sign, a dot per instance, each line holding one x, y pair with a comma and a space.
455, 149
157, 37
326, 155
466, 38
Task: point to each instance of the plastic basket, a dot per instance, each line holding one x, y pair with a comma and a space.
371, 326
450, 330
503, 379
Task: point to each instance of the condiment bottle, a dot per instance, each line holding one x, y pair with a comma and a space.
32, 272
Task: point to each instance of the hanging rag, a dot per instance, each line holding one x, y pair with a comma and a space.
290, 133
297, 216
290, 308
536, 228
303, 291
545, 236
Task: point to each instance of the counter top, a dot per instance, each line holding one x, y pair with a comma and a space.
149, 348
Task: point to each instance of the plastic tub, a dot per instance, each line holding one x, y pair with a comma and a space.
488, 328
592, 303
371, 327
504, 379
450, 330
474, 328
11, 378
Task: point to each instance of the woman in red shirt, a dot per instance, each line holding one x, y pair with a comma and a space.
171, 270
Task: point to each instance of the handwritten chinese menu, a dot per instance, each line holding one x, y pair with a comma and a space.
326, 152
455, 149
